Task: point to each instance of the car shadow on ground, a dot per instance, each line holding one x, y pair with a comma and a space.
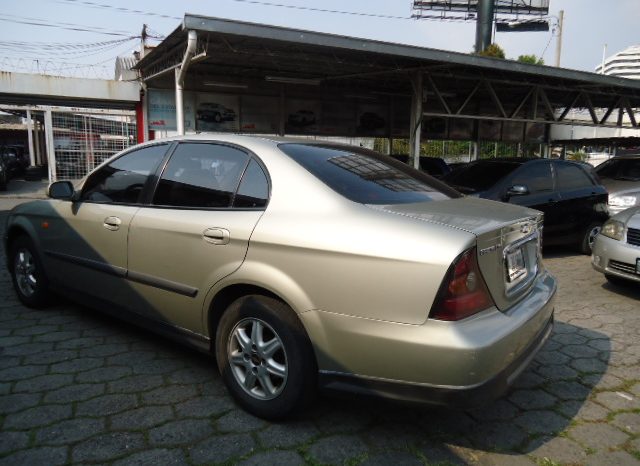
542, 404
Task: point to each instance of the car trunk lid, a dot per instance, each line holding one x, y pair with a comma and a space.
508, 240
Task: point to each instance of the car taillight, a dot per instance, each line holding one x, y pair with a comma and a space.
463, 291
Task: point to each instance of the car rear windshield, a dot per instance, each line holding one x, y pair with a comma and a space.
620, 169
365, 176
480, 176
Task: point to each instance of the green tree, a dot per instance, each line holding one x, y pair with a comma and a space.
531, 59
493, 50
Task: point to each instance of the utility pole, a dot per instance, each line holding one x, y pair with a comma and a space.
559, 40
484, 24
604, 57
143, 41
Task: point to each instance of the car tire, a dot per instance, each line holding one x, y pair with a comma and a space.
265, 357
27, 273
3, 181
589, 237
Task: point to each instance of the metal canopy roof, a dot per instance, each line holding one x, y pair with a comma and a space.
255, 59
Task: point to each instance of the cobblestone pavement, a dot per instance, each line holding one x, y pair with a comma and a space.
79, 387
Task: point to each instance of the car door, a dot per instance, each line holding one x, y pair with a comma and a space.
85, 240
582, 202
207, 202
537, 177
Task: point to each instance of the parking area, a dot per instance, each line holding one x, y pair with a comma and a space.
80, 387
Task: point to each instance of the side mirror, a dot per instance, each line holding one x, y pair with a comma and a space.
517, 190
61, 190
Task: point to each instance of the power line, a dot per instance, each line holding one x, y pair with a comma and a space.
61, 25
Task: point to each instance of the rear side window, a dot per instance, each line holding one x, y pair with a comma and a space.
254, 188
571, 176
201, 176
480, 175
366, 177
123, 180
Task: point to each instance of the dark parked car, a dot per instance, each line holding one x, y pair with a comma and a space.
434, 166
4, 174
15, 159
621, 177
572, 199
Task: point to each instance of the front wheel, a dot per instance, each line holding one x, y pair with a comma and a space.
586, 246
265, 357
27, 273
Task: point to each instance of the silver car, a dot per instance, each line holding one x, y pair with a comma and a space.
616, 252
300, 265
621, 176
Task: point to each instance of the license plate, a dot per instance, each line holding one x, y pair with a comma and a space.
515, 265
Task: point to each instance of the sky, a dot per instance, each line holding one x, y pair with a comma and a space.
83, 37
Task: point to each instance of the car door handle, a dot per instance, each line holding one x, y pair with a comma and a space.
216, 236
112, 223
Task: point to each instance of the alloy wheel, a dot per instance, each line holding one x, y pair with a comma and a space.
257, 358
25, 272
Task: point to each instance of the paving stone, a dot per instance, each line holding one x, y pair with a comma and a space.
559, 372
77, 343
222, 448
204, 406
601, 381
238, 420
276, 457
10, 441
18, 402
36, 417
103, 374
504, 459
337, 449
142, 418
629, 422
50, 357
6, 362
69, 431
156, 457
500, 436
183, 432
76, 365
532, 399
76, 392
497, 411
35, 330
569, 390
342, 420
106, 404
618, 400
529, 379
598, 436
192, 375
21, 372
56, 336
27, 349
124, 359
171, 394
43, 383
440, 453
583, 410
158, 366
41, 456
541, 422
135, 384
558, 449
107, 447
101, 351
617, 458
389, 436
589, 365
288, 434
635, 389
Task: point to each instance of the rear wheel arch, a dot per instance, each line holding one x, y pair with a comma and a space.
15, 232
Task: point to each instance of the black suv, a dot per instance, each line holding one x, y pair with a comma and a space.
569, 193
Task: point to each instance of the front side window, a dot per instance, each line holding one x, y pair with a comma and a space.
123, 180
366, 177
201, 175
480, 175
536, 176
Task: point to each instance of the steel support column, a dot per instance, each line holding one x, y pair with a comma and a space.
51, 148
415, 133
32, 160
181, 73
484, 24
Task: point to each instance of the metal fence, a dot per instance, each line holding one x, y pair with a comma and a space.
84, 138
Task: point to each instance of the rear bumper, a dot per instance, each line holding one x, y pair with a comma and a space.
463, 363
459, 397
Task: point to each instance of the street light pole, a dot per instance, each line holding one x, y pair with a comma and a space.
484, 24
559, 40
